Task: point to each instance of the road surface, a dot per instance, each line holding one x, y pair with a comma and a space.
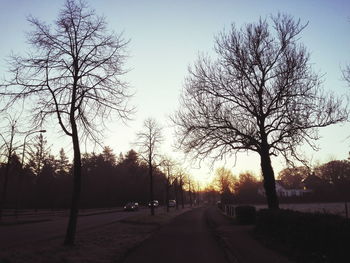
17, 235
188, 238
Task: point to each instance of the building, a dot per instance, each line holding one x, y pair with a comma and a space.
282, 191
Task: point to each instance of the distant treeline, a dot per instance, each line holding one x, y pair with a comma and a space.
328, 182
45, 181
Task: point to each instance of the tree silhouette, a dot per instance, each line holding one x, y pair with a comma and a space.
292, 177
181, 178
63, 166
336, 174
45, 184
38, 152
168, 166
73, 73
149, 140
224, 181
7, 148
108, 156
189, 184
246, 188
259, 95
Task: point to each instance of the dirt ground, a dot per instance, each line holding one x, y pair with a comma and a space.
108, 243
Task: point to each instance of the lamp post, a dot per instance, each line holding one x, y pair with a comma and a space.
24, 144
22, 163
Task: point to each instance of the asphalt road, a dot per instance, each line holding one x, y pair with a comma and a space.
188, 238
17, 235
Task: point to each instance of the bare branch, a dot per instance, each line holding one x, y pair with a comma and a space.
260, 94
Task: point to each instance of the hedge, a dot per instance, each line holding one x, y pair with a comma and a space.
307, 237
245, 214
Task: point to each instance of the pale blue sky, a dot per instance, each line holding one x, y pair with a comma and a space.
166, 36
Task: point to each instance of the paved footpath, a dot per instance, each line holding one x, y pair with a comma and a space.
239, 241
204, 235
188, 238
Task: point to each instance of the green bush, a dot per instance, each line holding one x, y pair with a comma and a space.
307, 237
245, 214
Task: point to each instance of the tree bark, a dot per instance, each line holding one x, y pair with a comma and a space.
74, 210
269, 178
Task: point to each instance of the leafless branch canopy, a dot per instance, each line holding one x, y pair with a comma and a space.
8, 145
260, 91
74, 71
169, 167
149, 140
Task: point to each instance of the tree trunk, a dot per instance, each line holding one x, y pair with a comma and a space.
7, 169
4, 191
176, 194
72, 224
167, 186
182, 194
269, 178
150, 171
190, 193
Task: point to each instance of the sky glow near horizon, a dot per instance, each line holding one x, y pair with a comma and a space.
167, 36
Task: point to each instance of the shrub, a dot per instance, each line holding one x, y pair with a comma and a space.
308, 237
245, 214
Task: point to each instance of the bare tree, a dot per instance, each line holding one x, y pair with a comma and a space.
7, 149
181, 178
346, 74
149, 140
190, 182
259, 95
224, 181
74, 73
168, 166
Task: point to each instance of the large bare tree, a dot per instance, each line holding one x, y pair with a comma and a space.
260, 94
73, 72
148, 141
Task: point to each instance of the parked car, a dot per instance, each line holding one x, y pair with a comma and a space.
131, 206
155, 203
172, 203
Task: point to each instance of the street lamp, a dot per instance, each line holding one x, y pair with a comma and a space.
22, 163
24, 144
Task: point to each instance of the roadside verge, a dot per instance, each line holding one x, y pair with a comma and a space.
108, 243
